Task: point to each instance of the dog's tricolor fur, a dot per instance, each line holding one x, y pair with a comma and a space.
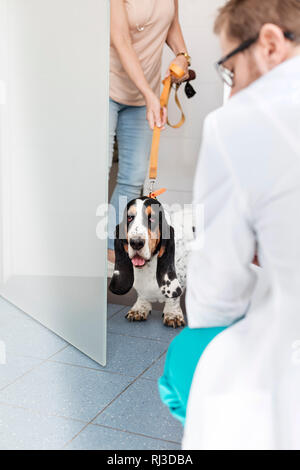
148, 260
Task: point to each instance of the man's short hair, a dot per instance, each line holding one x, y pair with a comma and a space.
243, 19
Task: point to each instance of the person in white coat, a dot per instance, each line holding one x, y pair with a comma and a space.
245, 392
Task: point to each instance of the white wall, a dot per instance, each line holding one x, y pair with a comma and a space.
5, 254
179, 149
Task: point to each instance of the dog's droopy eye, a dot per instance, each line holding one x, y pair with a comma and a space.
129, 218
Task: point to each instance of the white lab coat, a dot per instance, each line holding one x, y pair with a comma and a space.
246, 389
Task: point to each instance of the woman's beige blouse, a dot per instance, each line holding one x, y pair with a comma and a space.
156, 16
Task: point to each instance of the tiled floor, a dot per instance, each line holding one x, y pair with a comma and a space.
54, 397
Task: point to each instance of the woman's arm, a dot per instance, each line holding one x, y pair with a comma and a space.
121, 40
176, 42
175, 38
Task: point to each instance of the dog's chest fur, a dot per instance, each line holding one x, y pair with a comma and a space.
145, 282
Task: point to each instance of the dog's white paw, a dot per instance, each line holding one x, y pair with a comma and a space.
137, 315
174, 320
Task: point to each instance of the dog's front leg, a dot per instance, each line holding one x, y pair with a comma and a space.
173, 315
140, 310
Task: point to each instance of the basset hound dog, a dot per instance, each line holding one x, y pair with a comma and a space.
150, 259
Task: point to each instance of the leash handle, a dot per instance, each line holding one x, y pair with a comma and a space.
177, 72
182, 120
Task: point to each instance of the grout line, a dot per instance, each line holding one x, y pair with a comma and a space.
41, 413
92, 368
149, 379
135, 433
34, 367
136, 336
110, 403
124, 390
118, 311
141, 337
49, 359
153, 363
85, 423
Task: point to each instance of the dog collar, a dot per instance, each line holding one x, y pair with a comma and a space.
156, 193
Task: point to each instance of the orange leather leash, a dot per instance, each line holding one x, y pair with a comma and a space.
154, 194
176, 71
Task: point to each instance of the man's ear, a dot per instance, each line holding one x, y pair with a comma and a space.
123, 276
274, 44
165, 272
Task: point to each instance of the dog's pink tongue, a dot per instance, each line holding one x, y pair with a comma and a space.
138, 261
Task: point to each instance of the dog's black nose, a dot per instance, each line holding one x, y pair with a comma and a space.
137, 243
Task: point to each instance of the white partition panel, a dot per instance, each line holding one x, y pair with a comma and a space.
54, 64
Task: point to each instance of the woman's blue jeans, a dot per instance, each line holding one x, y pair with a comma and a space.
134, 136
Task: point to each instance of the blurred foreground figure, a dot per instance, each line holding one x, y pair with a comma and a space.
245, 392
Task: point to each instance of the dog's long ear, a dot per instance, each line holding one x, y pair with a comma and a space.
123, 277
166, 272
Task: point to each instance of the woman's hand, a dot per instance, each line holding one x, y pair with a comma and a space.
156, 115
182, 62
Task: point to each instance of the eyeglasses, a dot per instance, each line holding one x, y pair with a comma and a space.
227, 75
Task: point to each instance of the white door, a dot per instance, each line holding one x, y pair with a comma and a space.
54, 64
